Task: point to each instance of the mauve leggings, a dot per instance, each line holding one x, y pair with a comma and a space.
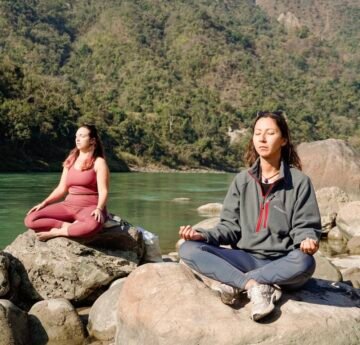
236, 267
75, 208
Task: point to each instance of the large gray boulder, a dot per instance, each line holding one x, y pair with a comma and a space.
55, 322
164, 304
331, 163
102, 316
348, 219
13, 324
62, 267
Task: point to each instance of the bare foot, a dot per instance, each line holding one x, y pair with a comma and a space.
55, 232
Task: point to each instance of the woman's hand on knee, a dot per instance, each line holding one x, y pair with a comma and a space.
309, 246
188, 233
37, 207
98, 215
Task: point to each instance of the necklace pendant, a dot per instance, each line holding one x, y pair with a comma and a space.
266, 180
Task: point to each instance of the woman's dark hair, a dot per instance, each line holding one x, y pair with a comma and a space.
98, 150
288, 152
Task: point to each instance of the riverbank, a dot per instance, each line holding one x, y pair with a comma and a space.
153, 168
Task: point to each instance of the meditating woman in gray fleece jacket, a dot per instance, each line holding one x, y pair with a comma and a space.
271, 219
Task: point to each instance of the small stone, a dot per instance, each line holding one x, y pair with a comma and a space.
335, 234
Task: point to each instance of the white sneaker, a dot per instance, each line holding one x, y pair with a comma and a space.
263, 297
228, 294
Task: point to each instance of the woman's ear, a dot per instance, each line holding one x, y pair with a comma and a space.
284, 142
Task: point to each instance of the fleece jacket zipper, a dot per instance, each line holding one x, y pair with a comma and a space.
264, 205
264, 209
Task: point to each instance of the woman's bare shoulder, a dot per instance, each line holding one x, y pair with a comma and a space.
100, 162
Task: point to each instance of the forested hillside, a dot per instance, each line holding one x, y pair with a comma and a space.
165, 79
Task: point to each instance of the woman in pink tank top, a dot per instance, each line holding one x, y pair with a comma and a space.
85, 180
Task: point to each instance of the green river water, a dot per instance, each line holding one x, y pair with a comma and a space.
144, 199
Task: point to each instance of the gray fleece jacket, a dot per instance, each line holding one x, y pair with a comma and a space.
271, 225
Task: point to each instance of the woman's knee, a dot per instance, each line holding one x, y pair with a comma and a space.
305, 263
188, 249
29, 221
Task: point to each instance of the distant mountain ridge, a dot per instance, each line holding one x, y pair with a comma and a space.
164, 80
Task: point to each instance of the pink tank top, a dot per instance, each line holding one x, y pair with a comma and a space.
81, 181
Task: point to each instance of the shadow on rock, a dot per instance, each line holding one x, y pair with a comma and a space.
321, 292
38, 333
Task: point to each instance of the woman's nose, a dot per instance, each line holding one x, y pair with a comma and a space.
262, 138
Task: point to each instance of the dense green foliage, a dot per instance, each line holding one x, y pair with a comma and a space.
165, 79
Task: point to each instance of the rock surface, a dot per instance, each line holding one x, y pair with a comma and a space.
349, 266
348, 219
55, 322
331, 199
331, 163
211, 209
102, 316
4, 277
207, 223
344, 262
353, 246
13, 324
335, 234
352, 275
62, 267
325, 269
188, 313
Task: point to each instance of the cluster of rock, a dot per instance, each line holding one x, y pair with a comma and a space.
42, 283
102, 291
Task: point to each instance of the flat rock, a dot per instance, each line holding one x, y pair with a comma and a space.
65, 268
344, 262
181, 199
207, 223
188, 313
211, 209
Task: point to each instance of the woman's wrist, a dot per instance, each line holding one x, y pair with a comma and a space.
99, 208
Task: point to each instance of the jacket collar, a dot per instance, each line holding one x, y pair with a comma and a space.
284, 170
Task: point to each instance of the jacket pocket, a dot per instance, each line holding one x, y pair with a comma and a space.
277, 220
